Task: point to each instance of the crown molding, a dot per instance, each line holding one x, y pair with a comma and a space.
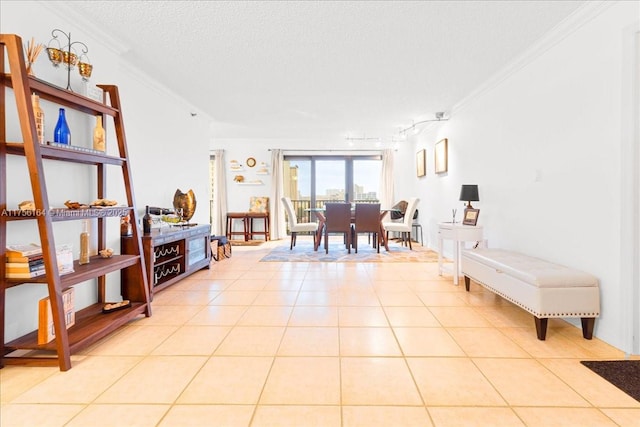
564, 29
66, 12
121, 49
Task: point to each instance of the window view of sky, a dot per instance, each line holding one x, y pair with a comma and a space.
331, 177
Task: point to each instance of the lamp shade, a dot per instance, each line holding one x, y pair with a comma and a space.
469, 193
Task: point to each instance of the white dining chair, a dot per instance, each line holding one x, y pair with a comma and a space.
296, 227
404, 227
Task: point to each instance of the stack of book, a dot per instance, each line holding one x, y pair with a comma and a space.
24, 262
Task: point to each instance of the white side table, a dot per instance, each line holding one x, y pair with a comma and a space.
459, 233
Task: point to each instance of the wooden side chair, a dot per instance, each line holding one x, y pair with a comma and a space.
259, 209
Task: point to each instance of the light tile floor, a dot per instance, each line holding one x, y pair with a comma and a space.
324, 344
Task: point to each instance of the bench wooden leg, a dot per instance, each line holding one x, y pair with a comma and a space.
541, 327
587, 327
467, 283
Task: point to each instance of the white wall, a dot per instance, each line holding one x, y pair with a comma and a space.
167, 146
240, 150
543, 142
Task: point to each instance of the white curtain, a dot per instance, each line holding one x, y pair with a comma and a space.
220, 195
386, 181
278, 225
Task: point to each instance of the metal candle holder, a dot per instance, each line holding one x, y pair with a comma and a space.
58, 55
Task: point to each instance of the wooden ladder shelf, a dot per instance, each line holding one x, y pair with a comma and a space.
91, 324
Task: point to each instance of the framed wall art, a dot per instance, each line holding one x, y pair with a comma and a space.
441, 156
471, 216
421, 163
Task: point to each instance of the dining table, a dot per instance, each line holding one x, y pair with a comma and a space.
320, 214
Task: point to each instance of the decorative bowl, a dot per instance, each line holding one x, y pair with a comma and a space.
106, 253
171, 219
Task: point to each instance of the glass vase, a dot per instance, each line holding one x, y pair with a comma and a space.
62, 134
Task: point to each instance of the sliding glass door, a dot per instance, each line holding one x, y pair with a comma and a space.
366, 180
331, 181
312, 181
297, 176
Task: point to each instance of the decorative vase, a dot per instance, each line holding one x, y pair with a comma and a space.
98, 135
62, 134
185, 204
32, 49
84, 244
39, 116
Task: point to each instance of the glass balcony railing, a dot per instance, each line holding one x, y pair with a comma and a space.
302, 208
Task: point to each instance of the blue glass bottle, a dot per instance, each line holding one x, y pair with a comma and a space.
62, 134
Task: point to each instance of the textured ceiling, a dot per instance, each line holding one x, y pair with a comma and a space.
323, 69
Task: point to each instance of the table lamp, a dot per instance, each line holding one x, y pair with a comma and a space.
469, 193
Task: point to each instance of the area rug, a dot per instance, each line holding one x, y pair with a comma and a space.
246, 242
303, 252
624, 374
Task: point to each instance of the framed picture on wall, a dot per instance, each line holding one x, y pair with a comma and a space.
441, 156
421, 163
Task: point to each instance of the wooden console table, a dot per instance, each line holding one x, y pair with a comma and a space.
171, 254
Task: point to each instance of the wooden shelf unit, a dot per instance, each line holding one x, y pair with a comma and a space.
171, 254
91, 324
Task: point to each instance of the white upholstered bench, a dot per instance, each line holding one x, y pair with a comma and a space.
542, 288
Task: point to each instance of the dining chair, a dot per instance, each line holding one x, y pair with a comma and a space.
404, 227
417, 228
318, 234
398, 210
367, 220
337, 220
296, 227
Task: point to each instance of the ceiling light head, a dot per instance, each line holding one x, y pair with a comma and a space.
439, 116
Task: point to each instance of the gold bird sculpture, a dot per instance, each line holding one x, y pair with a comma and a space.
184, 204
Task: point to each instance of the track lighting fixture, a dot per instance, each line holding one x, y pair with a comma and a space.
362, 138
439, 118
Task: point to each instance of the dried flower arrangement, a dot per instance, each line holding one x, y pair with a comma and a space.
33, 49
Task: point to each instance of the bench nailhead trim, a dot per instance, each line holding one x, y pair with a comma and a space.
597, 314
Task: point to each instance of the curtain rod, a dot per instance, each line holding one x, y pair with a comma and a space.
337, 150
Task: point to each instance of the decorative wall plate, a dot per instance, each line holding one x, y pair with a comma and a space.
251, 162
